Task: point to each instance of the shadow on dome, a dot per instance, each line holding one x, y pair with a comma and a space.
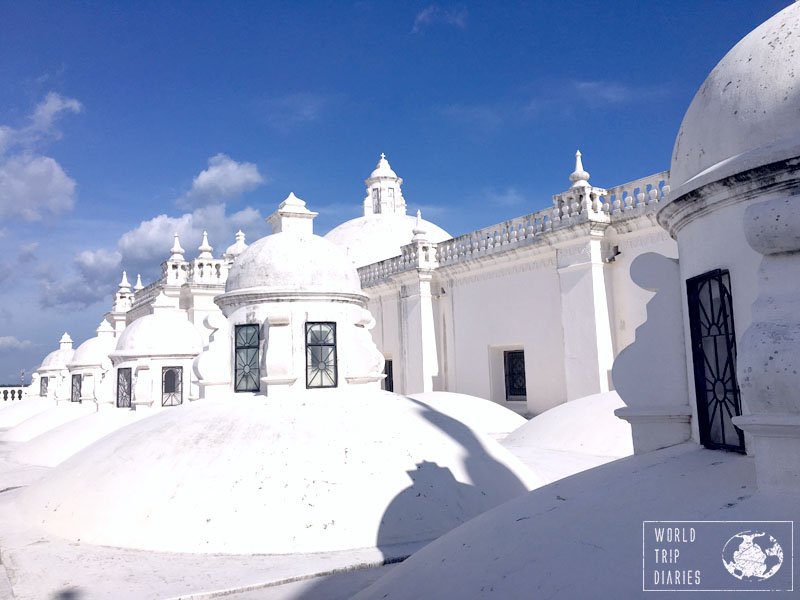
432, 496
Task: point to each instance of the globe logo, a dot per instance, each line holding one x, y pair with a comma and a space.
752, 556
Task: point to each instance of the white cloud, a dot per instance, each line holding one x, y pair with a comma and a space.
224, 179
27, 252
142, 250
9, 342
31, 186
435, 14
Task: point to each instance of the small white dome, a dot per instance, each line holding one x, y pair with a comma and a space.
237, 247
293, 262
374, 238
747, 112
383, 169
164, 333
95, 351
58, 359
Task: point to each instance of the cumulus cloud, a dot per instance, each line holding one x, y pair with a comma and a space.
27, 253
32, 186
435, 14
9, 342
224, 179
96, 273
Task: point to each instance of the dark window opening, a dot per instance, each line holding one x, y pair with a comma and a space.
247, 374
714, 357
43, 386
321, 364
388, 370
124, 387
171, 386
514, 361
75, 396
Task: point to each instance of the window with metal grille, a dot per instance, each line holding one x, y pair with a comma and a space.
388, 383
246, 369
43, 386
171, 386
321, 365
75, 396
514, 361
124, 387
714, 358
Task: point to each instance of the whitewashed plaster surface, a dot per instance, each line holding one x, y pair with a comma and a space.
321, 472
46, 420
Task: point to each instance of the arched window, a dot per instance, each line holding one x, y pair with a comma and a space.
246, 371
171, 386
321, 363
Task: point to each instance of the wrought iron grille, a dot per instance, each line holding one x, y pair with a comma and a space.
321, 364
171, 386
515, 375
388, 383
43, 386
124, 387
75, 396
714, 358
247, 372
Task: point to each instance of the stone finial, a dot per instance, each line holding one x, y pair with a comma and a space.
105, 329
65, 343
292, 216
240, 237
419, 231
205, 248
162, 303
138, 285
124, 284
176, 250
579, 177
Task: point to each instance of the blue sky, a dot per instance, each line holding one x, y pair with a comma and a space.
121, 122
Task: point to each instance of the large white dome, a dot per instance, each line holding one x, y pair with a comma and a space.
747, 112
293, 262
313, 473
374, 238
164, 333
95, 351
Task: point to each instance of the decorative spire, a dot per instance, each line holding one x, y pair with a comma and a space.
579, 177
419, 231
105, 329
162, 303
124, 284
138, 285
292, 215
205, 248
177, 250
65, 343
240, 237
384, 193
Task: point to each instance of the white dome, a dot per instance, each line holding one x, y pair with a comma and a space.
58, 359
164, 333
237, 247
315, 473
481, 415
374, 238
383, 169
747, 112
95, 351
293, 262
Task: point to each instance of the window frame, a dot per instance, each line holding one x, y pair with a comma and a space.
44, 385
507, 357
388, 370
75, 390
236, 348
179, 386
308, 345
129, 388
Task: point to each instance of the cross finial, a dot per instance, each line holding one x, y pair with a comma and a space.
383, 155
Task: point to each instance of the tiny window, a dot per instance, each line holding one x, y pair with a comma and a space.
124, 387
246, 376
43, 386
515, 374
388, 370
321, 365
75, 396
171, 386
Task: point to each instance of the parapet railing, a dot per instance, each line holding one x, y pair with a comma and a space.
575, 206
12, 393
